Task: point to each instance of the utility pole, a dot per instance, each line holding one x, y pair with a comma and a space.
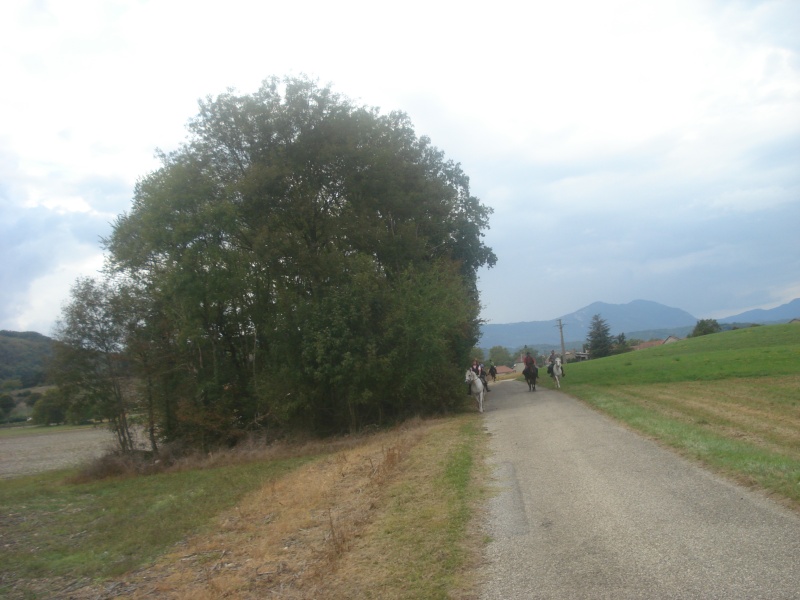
561, 331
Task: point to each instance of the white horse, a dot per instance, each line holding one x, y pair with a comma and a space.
557, 373
475, 388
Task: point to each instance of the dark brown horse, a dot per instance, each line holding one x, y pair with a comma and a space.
531, 374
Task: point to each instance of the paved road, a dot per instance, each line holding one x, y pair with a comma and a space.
588, 509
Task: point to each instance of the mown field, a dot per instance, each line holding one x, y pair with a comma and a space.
393, 514
730, 401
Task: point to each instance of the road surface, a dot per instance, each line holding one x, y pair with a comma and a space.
587, 509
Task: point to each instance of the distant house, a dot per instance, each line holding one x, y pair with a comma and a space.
504, 370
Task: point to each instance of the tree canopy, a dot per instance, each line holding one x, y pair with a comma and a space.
299, 261
599, 341
501, 356
705, 327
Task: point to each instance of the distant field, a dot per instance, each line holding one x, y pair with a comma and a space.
730, 400
26, 450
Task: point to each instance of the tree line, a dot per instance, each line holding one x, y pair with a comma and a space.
299, 262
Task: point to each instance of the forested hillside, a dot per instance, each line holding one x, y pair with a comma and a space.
23, 358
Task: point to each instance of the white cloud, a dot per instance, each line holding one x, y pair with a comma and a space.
629, 140
47, 294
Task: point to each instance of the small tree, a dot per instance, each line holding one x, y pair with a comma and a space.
501, 356
476, 353
7, 404
621, 344
89, 366
50, 408
599, 340
704, 327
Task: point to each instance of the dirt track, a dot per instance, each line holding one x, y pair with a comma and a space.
45, 450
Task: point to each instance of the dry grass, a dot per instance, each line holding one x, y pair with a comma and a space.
173, 458
325, 531
734, 408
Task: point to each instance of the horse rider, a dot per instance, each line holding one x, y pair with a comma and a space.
492, 371
551, 360
482, 375
477, 368
528, 360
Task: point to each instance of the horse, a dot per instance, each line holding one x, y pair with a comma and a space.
493, 373
531, 374
475, 388
557, 372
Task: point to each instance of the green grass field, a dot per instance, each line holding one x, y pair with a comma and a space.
769, 351
729, 400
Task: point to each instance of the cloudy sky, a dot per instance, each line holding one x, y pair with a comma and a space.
630, 149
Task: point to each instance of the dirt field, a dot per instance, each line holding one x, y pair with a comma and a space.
42, 450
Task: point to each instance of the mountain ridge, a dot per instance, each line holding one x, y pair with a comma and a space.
635, 319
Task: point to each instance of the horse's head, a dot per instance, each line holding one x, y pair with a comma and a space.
470, 376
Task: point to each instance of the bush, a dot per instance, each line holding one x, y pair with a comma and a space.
704, 327
50, 408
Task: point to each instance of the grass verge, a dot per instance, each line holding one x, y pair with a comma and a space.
384, 516
102, 529
422, 544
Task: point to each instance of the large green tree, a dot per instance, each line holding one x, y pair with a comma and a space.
300, 261
599, 341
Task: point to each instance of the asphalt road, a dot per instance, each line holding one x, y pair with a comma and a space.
588, 509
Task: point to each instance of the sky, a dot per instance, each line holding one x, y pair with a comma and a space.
630, 150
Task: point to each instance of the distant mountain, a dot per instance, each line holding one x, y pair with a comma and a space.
639, 315
785, 312
640, 319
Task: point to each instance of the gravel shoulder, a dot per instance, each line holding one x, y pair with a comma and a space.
588, 509
58, 449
